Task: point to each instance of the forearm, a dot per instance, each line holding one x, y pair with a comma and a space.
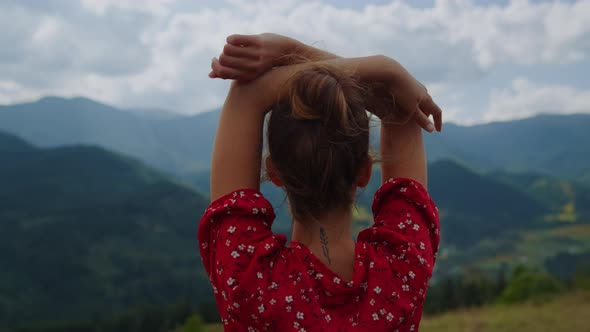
303, 51
265, 90
237, 151
402, 152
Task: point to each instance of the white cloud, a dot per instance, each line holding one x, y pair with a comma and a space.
525, 98
145, 53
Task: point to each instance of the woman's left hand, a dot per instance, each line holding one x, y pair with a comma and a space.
245, 57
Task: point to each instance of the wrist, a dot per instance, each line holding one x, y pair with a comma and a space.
289, 51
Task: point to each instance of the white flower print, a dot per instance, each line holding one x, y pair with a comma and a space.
416, 227
274, 285
257, 195
288, 308
375, 316
236, 304
272, 301
401, 225
319, 276
230, 281
299, 315
328, 318
259, 275
382, 311
405, 288
235, 254
263, 210
261, 308
371, 265
422, 245
250, 249
377, 289
242, 246
254, 210
289, 298
231, 229
227, 243
372, 302
412, 328
390, 317
412, 274
241, 194
296, 324
267, 246
403, 189
336, 280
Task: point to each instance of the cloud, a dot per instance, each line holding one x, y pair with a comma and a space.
525, 98
149, 53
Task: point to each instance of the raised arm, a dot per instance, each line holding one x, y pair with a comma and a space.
249, 56
402, 145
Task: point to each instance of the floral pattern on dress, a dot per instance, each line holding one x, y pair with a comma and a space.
261, 284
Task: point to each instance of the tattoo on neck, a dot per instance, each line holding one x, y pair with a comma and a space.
324, 242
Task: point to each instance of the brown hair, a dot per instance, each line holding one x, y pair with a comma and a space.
318, 139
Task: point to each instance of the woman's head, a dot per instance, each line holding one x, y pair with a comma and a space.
318, 140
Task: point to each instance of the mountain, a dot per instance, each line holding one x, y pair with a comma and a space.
474, 206
88, 233
176, 144
549, 144
569, 201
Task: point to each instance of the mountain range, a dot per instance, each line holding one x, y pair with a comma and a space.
555, 145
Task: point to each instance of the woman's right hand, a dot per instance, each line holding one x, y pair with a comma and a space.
245, 57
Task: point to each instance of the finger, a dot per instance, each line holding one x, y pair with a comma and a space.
212, 74
243, 40
241, 52
432, 108
423, 121
237, 63
224, 72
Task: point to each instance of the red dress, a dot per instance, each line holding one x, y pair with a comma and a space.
260, 284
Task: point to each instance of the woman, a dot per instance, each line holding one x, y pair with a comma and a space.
318, 140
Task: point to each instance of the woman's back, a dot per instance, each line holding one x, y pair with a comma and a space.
262, 285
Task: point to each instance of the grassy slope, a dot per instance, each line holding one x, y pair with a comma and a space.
566, 313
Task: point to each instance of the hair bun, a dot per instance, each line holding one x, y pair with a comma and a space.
325, 93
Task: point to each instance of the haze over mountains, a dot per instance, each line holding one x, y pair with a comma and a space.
94, 217
550, 144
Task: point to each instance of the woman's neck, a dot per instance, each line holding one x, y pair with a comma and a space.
334, 245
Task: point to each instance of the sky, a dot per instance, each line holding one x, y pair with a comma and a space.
482, 61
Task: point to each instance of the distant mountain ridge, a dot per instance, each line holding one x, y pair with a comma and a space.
176, 144
550, 144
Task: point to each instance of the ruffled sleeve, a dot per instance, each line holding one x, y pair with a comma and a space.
406, 232
234, 236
